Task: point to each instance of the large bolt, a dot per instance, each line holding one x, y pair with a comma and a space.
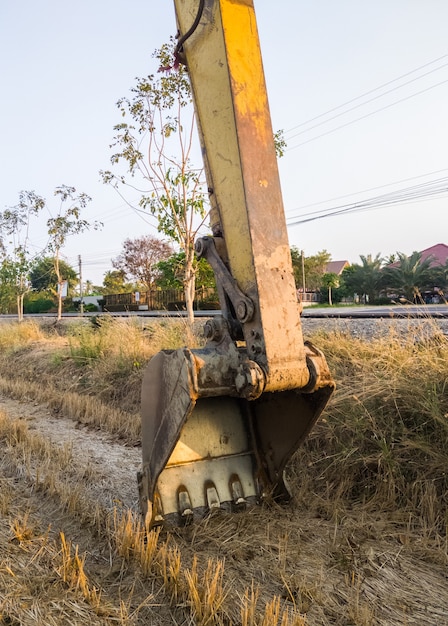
250, 381
245, 310
212, 330
256, 348
241, 310
199, 247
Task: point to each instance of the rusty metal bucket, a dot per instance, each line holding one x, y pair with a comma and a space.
208, 443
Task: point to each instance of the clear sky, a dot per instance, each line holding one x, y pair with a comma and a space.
63, 66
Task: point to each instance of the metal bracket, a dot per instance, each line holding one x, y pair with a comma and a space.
237, 308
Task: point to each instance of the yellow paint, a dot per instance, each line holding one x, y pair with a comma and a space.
225, 64
245, 65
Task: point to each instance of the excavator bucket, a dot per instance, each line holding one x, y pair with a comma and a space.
220, 423
205, 447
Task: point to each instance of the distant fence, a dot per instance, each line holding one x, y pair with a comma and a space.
158, 300
309, 297
174, 300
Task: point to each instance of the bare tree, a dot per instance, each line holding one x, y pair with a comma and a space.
67, 222
139, 259
17, 262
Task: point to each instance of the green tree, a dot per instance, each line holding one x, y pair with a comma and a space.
366, 278
314, 268
280, 143
65, 224
411, 275
440, 273
43, 276
171, 272
115, 282
297, 267
205, 275
155, 141
89, 288
140, 257
8, 296
330, 281
17, 259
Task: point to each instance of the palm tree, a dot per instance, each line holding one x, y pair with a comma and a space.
330, 280
441, 280
365, 278
410, 276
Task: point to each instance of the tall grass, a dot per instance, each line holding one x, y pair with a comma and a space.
126, 341
384, 438
104, 361
13, 334
381, 446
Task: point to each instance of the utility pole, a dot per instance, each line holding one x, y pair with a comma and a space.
81, 301
303, 276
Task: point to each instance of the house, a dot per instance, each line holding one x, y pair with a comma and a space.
439, 252
312, 296
336, 267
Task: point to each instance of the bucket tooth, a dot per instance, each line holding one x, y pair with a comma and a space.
236, 489
185, 506
211, 496
158, 508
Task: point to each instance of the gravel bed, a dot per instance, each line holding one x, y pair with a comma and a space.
369, 328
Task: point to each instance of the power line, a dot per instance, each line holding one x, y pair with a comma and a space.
388, 106
367, 93
355, 193
432, 188
306, 130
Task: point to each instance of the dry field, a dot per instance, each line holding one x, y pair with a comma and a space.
363, 543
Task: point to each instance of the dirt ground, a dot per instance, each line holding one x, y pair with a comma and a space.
353, 570
113, 466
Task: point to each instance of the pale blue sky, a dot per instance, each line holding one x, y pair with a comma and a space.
63, 65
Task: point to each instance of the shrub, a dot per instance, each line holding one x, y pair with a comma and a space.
90, 308
382, 301
41, 304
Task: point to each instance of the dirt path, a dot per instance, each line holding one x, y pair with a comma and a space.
113, 466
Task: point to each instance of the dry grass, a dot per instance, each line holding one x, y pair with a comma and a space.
41, 580
91, 373
13, 334
364, 542
383, 442
85, 409
72, 572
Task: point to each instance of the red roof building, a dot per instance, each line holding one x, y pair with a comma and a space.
439, 252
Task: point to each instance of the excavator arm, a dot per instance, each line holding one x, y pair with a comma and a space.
220, 423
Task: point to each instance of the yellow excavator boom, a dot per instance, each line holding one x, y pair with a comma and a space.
219, 424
